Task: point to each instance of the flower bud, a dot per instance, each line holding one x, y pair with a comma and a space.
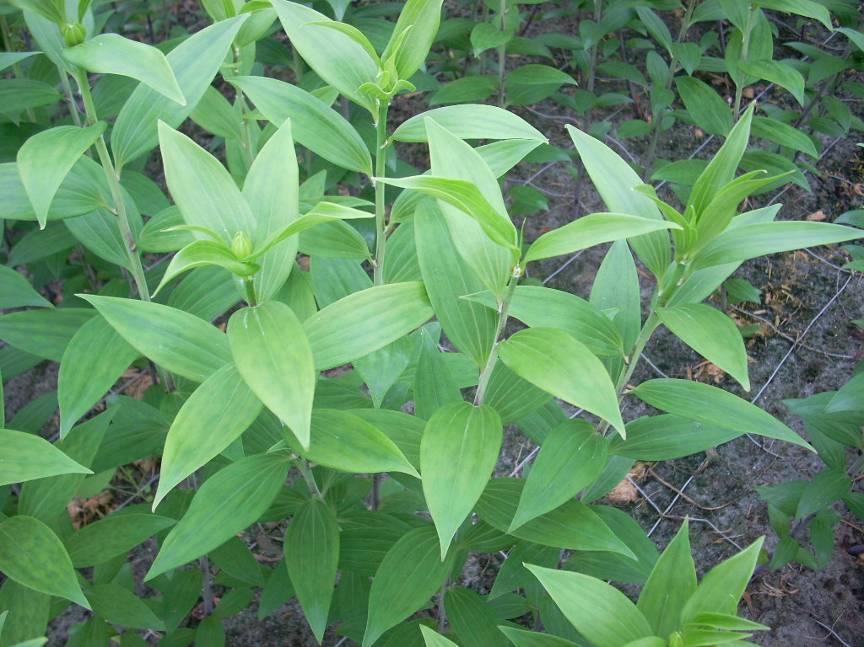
241, 246
74, 34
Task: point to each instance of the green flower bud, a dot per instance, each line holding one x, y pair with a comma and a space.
74, 34
241, 246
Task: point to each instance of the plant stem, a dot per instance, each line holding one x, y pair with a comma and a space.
249, 289
648, 329
502, 52
380, 206
309, 477
442, 611
745, 49
503, 311
70, 98
113, 178
592, 61
207, 593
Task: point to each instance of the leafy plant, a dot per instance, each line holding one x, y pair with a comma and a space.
354, 379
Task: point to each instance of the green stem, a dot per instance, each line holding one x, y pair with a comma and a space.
592, 62
113, 178
70, 98
380, 205
502, 53
503, 312
249, 289
745, 50
309, 477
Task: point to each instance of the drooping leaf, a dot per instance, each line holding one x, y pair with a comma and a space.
46, 158
271, 352
114, 54
213, 417
470, 121
116, 534
312, 556
16, 291
227, 503
32, 555
558, 363
705, 107
25, 456
458, 452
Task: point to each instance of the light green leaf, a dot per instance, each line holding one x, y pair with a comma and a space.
113, 54
335, 56
413, 35
601, 613
533, 82
271, 352
783, 134
590, 230
466, 197
194, 62
312, 556
25, 456
525, 638
410, 574
32, 555
315, 124
86, 376
16, 291
722, 587
806, 8
556, 362
232, 499
778, 73
664, 437
365, 321
46, 158
670, 585
713, 406
458, 452
44, 332
705, 107
751, 241
434, 639
711, 334
211, 419
541, 307
616, 181
176, 340
8, 59
469, 121
116, 534
346, 442
571, 457
203, 253
203, 190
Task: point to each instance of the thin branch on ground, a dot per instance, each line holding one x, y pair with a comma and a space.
686, 497
788, 337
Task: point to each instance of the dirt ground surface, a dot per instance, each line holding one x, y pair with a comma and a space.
806, 297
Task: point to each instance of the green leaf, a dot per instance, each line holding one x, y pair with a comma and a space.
541, 307
467, 198
316, 125
616, 181
121, 606
525, 638
194, 62
44, 332
211, 419
822, 491
347, 442
433, 639
312, 557
413, 35
783, 134
203, 190
46, 158
228, 502
178, 341
16, 291
711, 334
590, 230
458, 452
32, 555
365, 321
410, 574
533, 82
25, 456
670, 585
705, 107
806, 8
271, 352
334, 55
556, 362
713, 406
850, 397
113, 536
601, 613
751, 241
204, 253
664, 437
722, 587
571, 457
113, 54
778, 73
469, 121
470, 327
573, 526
